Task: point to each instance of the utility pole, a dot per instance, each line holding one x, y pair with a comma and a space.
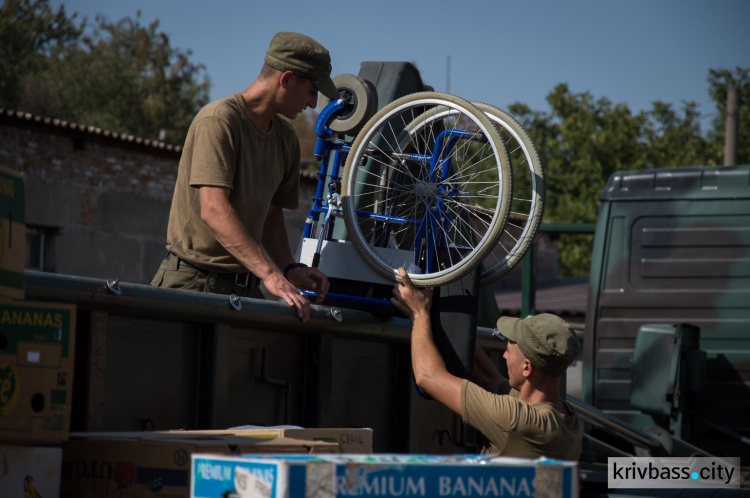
731, 125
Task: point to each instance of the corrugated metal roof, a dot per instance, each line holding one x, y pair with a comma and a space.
565, 297
90, 130
307, 176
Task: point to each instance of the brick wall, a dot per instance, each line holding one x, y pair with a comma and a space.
91, 163
101, 198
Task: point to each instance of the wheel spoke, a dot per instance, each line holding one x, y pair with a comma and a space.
528, 197
428, 174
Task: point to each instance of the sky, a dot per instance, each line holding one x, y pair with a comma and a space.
628, 51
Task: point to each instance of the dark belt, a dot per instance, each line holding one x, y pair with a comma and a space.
240, 279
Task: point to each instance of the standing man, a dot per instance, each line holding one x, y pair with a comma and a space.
522, 416
239, 169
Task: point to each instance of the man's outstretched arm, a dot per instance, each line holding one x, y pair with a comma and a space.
430, 373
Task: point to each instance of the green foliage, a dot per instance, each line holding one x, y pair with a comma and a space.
583, 140
672, 140
119, 76
31, 35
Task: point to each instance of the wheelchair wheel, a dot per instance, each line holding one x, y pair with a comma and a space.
427, 182
527, 205
360, 103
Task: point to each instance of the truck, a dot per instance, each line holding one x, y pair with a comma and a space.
666, 350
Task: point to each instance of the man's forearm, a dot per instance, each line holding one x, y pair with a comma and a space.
429, 368
223, 221
427, 363
275, 238
244, 249
426, 359
220, 216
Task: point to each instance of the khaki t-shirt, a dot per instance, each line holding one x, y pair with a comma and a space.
516, 428
225, 149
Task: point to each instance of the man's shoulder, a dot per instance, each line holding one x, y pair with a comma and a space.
482, 395
226, 107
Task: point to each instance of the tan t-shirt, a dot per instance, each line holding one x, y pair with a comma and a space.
516, 428
225, 149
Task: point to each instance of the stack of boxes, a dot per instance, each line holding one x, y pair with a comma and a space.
37, 343
154, 464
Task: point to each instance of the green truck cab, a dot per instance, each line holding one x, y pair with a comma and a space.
667, 340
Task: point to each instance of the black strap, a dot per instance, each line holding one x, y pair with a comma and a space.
292, 266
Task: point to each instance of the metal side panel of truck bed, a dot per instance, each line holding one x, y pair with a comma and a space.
672, 246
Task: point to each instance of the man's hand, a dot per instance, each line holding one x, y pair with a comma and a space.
280, 287
310, 279
408, 299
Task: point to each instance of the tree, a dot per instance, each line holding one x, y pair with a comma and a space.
676, 140
583, 140
31, 35
120, 76
304, 125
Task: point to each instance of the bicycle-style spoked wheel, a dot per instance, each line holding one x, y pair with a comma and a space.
427, 182
527, 205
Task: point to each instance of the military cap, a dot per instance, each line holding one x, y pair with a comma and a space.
546, 340
304, 57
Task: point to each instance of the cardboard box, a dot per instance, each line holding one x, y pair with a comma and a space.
349, 440
380, 475
30, 471
37, 344
12, 234
154, 464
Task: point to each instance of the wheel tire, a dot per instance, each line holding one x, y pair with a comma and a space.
393, 187
527, 205
361, 102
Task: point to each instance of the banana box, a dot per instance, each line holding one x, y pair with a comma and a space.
30, 471
37, 344
381, 475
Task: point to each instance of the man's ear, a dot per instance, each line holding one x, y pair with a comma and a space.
285, 78
528, 368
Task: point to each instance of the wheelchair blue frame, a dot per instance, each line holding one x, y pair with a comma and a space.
334, 152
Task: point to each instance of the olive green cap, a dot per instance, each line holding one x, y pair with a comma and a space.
304, 57
546, 340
